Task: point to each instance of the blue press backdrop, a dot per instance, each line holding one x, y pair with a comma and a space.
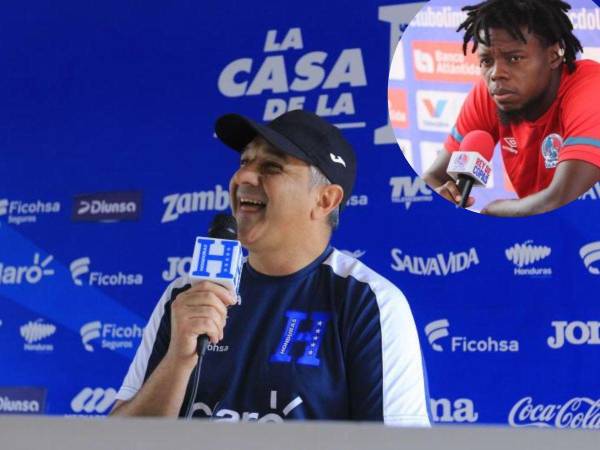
113, 103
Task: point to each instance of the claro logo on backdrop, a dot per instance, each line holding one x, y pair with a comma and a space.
31, 274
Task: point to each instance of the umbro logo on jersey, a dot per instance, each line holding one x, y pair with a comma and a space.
510, 145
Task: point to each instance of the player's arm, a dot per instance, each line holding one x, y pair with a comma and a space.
572, 178
437, 177
199, 310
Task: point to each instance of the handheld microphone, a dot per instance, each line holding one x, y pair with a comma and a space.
470, 166
218, 258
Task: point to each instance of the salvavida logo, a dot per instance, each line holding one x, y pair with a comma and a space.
439, 265
81, 267
577, 412
111, 335
190, 202
528, 254
229, 415
574, 333
461, 410
409, 190
20, 212
590, 255
93, 400
33, 332
437, 330
26, 274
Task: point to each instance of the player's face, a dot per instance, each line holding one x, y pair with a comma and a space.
518, 74
270, 197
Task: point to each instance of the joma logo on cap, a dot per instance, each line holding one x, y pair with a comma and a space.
337, 159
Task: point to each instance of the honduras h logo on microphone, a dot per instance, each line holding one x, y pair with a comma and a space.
218, 260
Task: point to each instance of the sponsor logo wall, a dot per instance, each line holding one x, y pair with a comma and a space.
131, 173
430, 78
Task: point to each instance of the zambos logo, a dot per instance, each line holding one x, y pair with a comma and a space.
190, 202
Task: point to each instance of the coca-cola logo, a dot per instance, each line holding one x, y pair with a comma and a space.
578, 412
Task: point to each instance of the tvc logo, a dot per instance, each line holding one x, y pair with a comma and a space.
409, 190
439, 329
81, 267
574, 333
91, 400
29, 274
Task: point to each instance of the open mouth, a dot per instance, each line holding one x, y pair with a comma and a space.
250, 204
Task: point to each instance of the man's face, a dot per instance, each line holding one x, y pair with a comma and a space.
517, 74
271, 197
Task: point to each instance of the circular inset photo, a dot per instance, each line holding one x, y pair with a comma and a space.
495, 104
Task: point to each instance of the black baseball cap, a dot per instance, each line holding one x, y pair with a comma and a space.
299, 133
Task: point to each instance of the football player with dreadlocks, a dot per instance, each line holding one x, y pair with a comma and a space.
535, 99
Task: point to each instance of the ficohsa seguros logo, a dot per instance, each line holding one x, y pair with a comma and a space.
109, 335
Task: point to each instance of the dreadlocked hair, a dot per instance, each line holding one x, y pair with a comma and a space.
546, 18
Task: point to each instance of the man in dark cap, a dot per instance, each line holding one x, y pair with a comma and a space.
318, 335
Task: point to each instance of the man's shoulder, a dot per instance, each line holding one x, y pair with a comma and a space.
586, 77
346, 266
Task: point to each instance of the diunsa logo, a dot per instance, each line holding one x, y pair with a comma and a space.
107, 206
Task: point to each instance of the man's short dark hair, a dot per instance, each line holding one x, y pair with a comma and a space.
547, 19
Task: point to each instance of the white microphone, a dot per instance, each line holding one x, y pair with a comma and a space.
218, 258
